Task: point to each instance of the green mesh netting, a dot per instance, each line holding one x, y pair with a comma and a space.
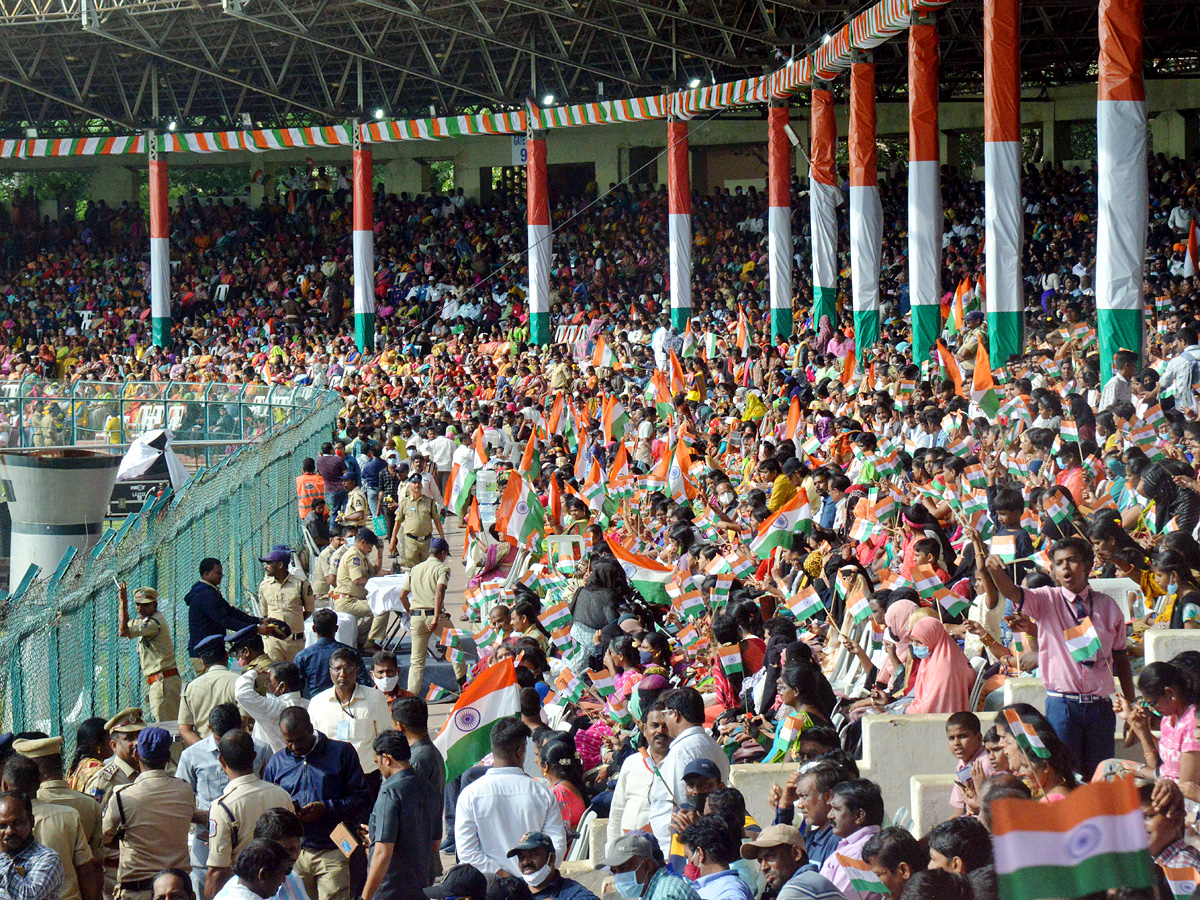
61, 660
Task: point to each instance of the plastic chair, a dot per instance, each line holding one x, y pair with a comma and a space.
1119, 589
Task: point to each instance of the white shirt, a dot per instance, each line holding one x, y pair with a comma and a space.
441, 452
265, 710
235, 890
630, 810
495, 811
689, 745
357, 723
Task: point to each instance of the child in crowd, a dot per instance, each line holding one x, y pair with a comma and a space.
965, 737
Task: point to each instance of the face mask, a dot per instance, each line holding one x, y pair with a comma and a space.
1173, 587
627, 885
387, 683
537, 877
645, 657
920, 651
725, 498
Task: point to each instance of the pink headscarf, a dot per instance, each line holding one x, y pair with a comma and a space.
896, 619
945, 678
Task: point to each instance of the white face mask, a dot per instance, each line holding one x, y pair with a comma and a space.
387, 683
537, 877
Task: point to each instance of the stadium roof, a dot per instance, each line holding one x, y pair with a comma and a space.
74, 67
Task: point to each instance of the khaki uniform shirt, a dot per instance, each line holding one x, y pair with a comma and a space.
58, 792
357, 511
287, 601
59, 828
155, 648
212, 688
415, 517
424, 580
116, 772
232, 818
353, 566
560, 377
323, 572
153, 817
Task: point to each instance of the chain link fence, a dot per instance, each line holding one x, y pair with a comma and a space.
61, 660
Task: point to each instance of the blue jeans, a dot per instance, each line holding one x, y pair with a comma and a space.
373, 501
1088, 730
335, 502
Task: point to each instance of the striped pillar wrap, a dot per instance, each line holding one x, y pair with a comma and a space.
160, 249
538, 235
779, 220
924, 190
364, 247
1003, 215
824, 198
1122, 192
679, 222
866, 211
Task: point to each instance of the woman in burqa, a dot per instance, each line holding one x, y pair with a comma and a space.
1170, 500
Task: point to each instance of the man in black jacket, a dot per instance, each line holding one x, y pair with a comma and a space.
210, 613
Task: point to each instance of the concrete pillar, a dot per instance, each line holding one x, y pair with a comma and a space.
258, 189
113, 185
1056, 141
608, 166
1175, 133
402, 176
950, 147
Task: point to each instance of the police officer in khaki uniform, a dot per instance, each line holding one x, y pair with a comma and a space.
156, 652
416, 517
350, 593
57, 827
205, 691
357, 512
247, 646
123, 730
47, 754
149, 820
425, 598
232, 818
285, 597
324, 571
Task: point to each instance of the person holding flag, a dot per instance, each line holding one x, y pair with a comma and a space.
1078, 685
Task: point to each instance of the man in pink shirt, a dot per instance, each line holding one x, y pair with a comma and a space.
855, 812
1081, 646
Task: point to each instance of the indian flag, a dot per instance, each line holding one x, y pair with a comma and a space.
602, 356
857, 604
602, 681
1005, 547
805, 604
648, 576
1082, 641
555, 616
437, 694
520, 516
1182, 879
791, 728
458, 489
1025, 735
976, 476
1093, 840
690, 604
862, 879
485, 637
465, 739
953, 604
926, 581
731, 658
778, 529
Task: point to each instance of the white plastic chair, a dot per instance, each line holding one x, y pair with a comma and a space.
1119, 589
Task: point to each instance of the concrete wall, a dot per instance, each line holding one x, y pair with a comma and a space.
1164, 643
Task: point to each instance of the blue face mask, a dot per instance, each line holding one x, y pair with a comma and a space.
920, 651
1173, 588
627, 885
645, 657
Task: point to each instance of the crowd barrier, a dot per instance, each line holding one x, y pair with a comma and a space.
61, 659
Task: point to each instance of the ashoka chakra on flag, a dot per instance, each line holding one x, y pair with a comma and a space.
467, 719
522, 508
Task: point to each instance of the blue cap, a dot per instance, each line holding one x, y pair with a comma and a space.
242, 636
278, 554
437, 545
705, 768
212, 642
154, 743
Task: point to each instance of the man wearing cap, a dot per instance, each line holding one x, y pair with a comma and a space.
233, 815
214, 687
47, 755
284, 597
783, 860
539, 870
701, 777
156, 651
638, 870
423, 599
323, 576
462, 881
357, 513
416, 517
149, 819
121, 769
59, 828
251, 656
350, 593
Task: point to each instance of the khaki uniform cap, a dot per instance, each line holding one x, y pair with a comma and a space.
127, 721
36, 748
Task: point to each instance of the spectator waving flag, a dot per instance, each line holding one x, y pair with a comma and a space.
555, 616
1082, 641
520, 516
1025, 735
1092, 841
953, 604
731, 658
466, 737
805, 604
777, 531
648, 576
603, 357
458, 488
1005, 547
602, 681
926, 581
